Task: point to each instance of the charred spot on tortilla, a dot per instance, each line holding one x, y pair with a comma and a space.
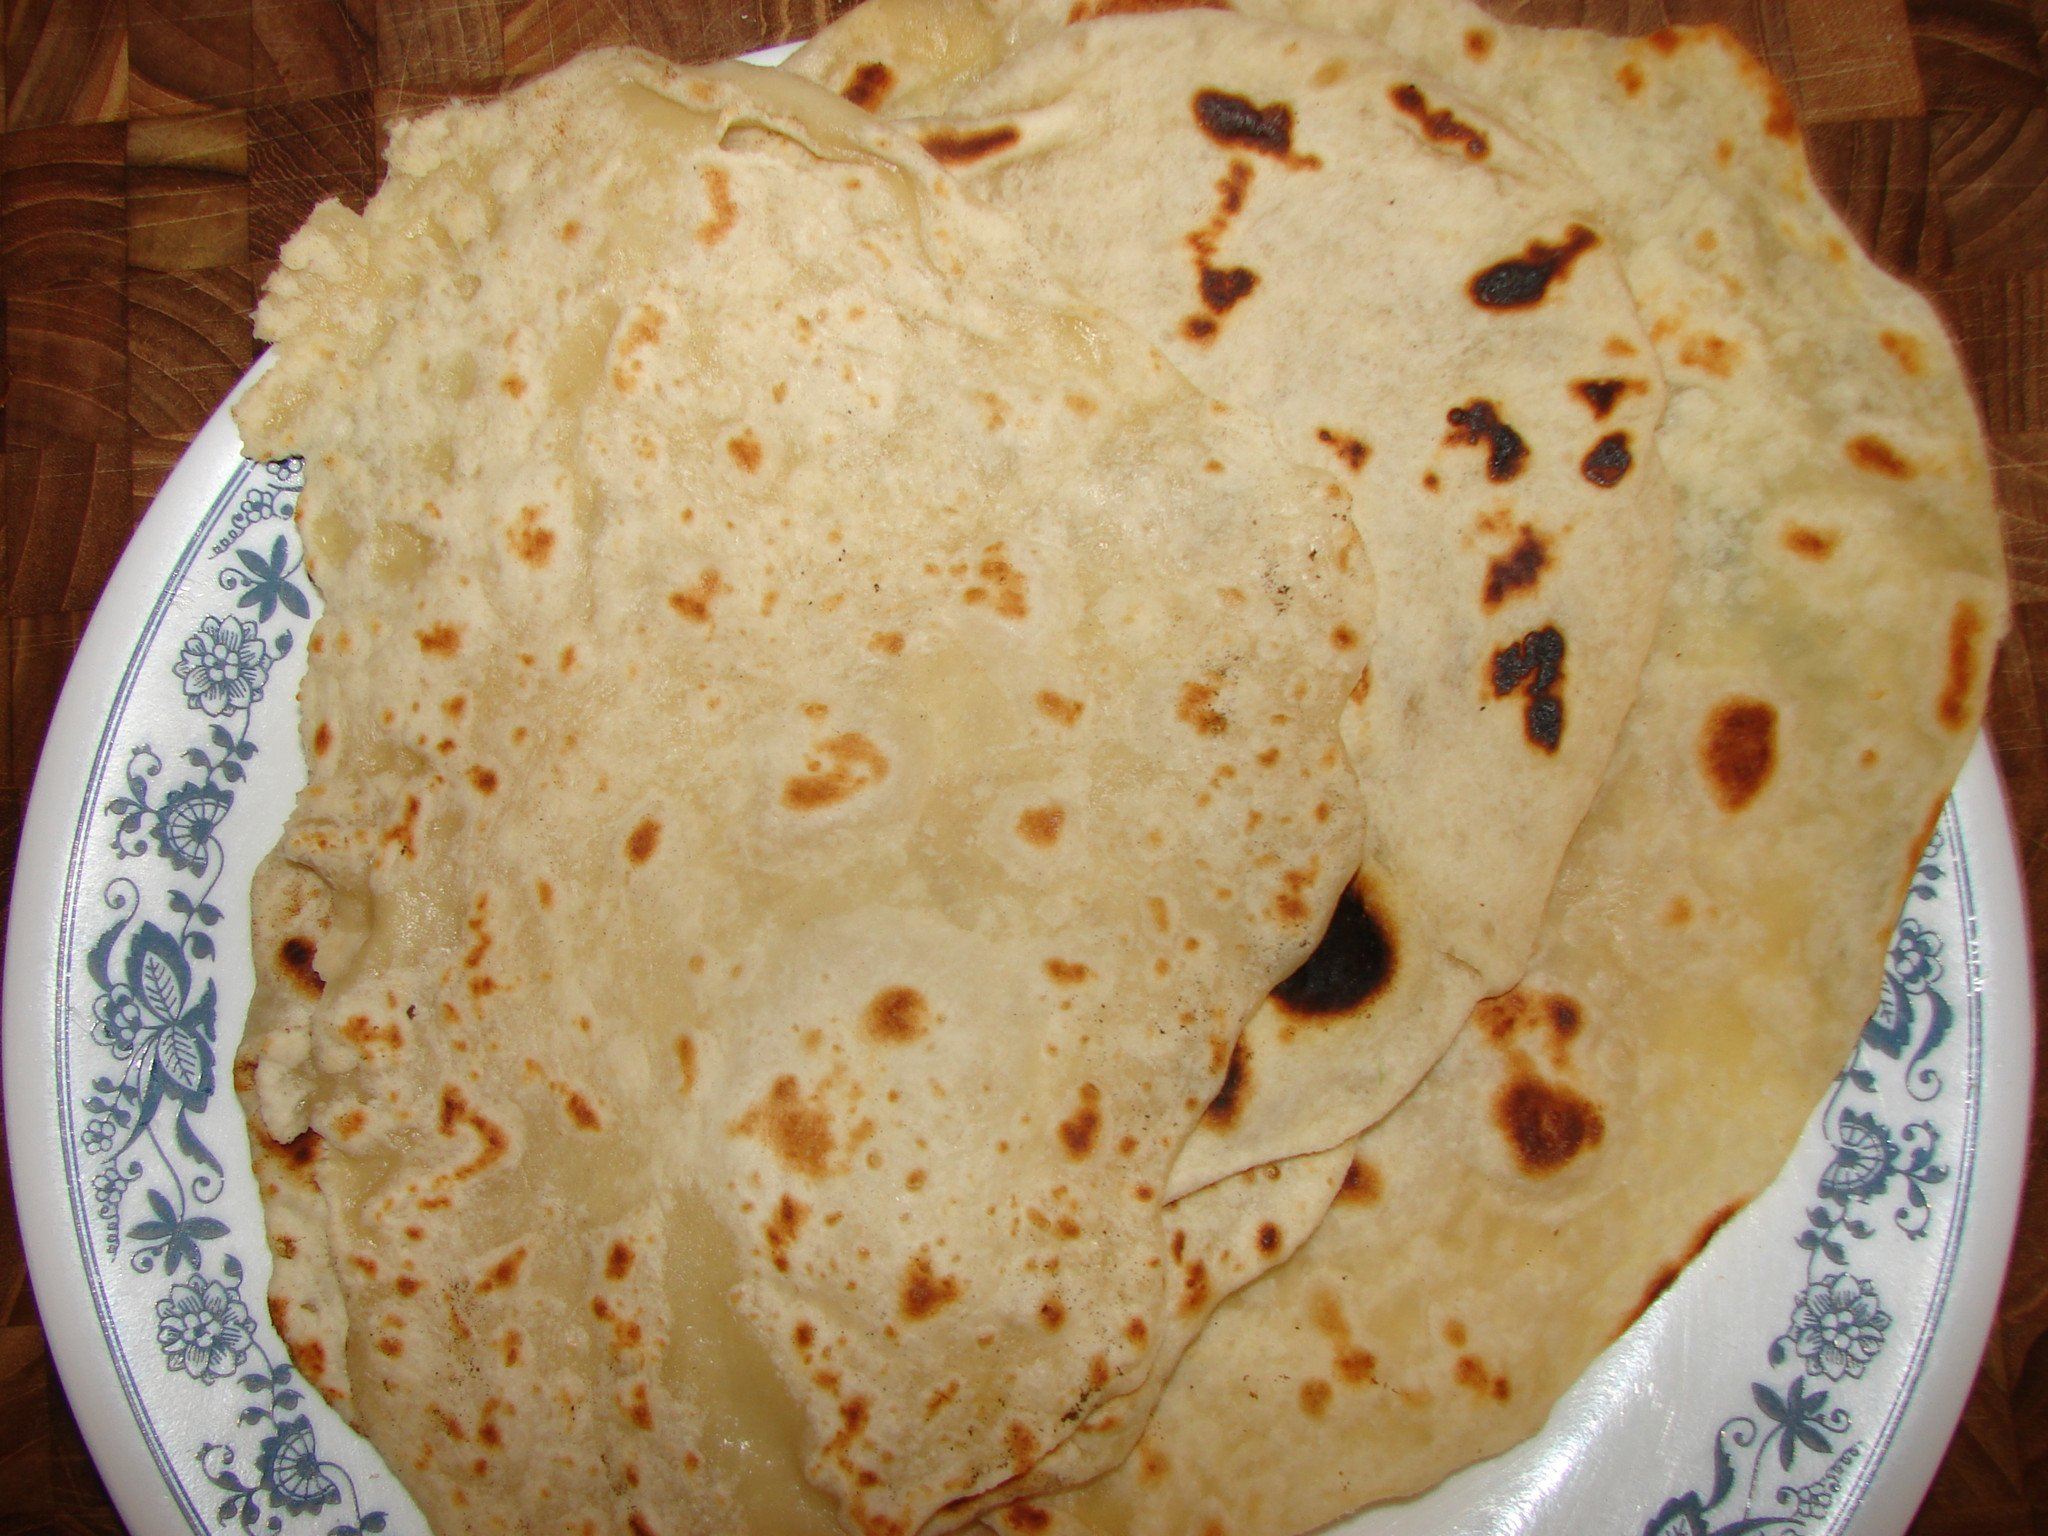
1350, 967
1965, 628
296, 955
1223, 287
1601, 394
1546, 1124
1607, 461
1534, 665
869, 85
1439, 124
1478, 421
1235, 121
1738, 749
1523, 280
1223, 1109
1518, 569
963, 148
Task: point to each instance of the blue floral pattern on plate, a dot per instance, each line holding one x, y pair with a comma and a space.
154, 1180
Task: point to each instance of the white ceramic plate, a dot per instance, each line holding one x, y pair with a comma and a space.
1802, 1377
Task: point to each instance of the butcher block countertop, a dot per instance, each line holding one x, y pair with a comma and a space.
156, 153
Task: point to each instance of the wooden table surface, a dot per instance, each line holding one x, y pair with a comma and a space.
155, 153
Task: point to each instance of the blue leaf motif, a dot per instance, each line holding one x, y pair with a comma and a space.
158, 973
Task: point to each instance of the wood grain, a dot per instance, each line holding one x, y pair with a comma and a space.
154, 154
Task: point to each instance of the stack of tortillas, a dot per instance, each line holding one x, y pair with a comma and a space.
1061, 767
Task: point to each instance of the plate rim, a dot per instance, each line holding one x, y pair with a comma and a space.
1995, 926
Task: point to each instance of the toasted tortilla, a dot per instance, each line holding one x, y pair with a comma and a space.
818, 739
1717, 934
1314, 229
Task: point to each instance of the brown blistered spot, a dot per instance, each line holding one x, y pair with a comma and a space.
799, 1130
896, 1015
925, 1290
1051, 1313
1068, 973
1546, 1124
1223, 1110
782, 1230
484, 779
1782, 122
1439, 124
886, 642
513, 385
1355, 1366
1454, 1333
1663, 1279
955, 148
694, 603
1601, 394
439, 639
1344, 638
856, 763
1351, 965
1476, 422
1197, 708
642, 1414
323, 738
1089, 10
870, 84
1522, 280
1351, 450
1738, 749
582, 1111
745, 450
529, 540
1235, 123
1534, 665
1630, 78
505, 1273
724, 212
1361, 1185
1269, 1238
1041, 825
1811, 543
1517, 570
1194, 1286
1873, 453
643, 840
408, 1285
618, 1263
1708, 353
1471, 1372
296, 956
1666, 40
1607, 461
455, 1111
1022, 1516
1905, 350
1315, 1397
1478, 43
1004, 585
638, 1523
1198, 328
1965, 629
1057, 706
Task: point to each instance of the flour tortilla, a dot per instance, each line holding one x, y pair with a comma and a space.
1717, 933
817, 740
1302, 223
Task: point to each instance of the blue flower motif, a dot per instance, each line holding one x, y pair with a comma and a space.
289, 1465
186, 822
1865, 1158
107, 1186
118, 1020
99, 1134
224, 666
1838, 1327
203, 1329
1915, 956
